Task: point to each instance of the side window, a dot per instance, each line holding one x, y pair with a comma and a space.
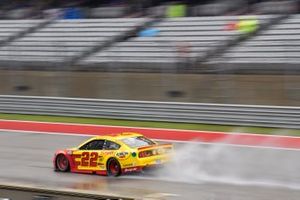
109, 145
93, 145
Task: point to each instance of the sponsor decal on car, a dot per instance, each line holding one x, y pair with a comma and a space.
131, 169
128, 165
107, 153
122, 154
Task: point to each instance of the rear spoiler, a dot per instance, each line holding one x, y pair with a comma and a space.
156, 146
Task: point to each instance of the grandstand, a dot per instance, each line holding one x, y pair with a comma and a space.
190, 44
200, 34
62, 39
277, 46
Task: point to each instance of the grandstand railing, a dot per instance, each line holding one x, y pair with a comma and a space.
226, 114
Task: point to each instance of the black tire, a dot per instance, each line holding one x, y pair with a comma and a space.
62, 163
113, 167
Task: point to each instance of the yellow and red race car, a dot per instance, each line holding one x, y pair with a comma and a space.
113, 155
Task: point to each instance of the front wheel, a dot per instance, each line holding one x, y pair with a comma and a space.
62, 163
113, 167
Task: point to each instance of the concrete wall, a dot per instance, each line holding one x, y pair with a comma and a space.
237, 89
24, 193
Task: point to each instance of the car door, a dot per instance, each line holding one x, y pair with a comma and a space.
109, 150
88, 156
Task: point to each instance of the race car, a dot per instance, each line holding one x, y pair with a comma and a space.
113, 155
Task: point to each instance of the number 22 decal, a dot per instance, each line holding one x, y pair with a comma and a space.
89, 159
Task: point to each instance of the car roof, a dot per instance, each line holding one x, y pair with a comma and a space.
118, 136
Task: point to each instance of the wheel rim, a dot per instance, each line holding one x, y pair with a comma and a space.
62, 163
114, 167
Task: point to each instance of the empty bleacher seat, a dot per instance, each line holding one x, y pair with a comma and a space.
177, 38
279, 44
64, 39
10, 28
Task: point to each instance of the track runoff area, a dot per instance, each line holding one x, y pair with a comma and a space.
208, 165
171, 135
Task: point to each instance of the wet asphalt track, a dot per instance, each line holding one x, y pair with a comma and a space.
206, 172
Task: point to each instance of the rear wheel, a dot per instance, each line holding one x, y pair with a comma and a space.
62, 163
113, 167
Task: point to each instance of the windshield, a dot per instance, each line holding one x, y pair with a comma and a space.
135, 142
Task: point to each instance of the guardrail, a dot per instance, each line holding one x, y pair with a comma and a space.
225, 114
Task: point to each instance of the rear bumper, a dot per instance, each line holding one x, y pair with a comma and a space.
142, 168
149, 165
154, 160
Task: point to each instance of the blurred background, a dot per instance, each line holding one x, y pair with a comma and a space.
209, 51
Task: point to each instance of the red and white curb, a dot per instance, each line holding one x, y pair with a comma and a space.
241, 139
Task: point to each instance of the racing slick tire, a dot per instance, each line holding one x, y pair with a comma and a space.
62, 163
113, 167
